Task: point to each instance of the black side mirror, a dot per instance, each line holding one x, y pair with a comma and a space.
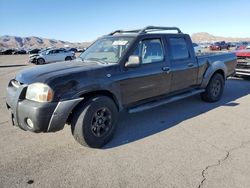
133, 61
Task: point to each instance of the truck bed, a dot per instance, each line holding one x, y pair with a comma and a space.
228, 59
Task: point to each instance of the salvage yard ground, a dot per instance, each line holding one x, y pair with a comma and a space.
189, 143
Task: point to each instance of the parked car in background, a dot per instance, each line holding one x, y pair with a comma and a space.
220, 46
243, 62
136, 75
240, 47
205, 44
34, 51
7, 52
51, 55
244, 43
19, 51
71, 50
80, 49
197, 48
232, 44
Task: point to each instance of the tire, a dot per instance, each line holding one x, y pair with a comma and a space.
88, 119
214, 89
40, 61
68, 58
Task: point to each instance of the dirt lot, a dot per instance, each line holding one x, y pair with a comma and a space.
185, 144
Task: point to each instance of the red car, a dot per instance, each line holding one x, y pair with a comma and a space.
219, 46
243, 62
242, 47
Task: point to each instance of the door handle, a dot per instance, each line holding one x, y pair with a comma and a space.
166, 69
190, 64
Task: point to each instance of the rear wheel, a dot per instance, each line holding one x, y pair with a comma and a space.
68, 58
214, 89
94, 122
40, 61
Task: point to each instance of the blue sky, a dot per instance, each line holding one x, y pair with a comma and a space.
82, 20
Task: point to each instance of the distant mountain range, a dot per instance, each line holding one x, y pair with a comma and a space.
36, 42
206, 37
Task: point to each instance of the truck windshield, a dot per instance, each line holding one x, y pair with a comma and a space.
107, 50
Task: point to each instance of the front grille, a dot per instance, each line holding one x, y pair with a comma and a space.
243, 63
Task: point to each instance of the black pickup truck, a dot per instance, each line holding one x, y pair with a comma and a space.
125, 70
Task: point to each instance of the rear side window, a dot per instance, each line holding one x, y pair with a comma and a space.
178, 48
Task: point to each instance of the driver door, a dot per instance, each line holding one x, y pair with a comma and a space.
150, 79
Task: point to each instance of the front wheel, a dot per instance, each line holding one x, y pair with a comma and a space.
214, 89
40, 61
94, 123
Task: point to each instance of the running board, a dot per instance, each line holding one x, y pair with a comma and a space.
160, 102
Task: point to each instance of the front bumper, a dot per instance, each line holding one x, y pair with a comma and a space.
33, 60
46, 117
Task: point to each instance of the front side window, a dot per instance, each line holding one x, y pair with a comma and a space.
179, 49
107, 50
52, 52
150, 51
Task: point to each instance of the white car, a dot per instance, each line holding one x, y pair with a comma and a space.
52, 55
197, 48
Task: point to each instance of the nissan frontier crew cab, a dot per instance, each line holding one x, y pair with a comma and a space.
125, 70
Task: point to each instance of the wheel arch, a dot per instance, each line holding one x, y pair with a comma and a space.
107, 93
87, 95
215, 67
67, 57
40, 58
220, 71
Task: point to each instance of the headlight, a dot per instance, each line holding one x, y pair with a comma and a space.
39, 92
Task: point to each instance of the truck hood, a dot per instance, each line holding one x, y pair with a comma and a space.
43, 73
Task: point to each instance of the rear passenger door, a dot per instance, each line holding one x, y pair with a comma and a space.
60, 55
184, 67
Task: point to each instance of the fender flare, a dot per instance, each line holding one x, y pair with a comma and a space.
101, 91
212, 68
